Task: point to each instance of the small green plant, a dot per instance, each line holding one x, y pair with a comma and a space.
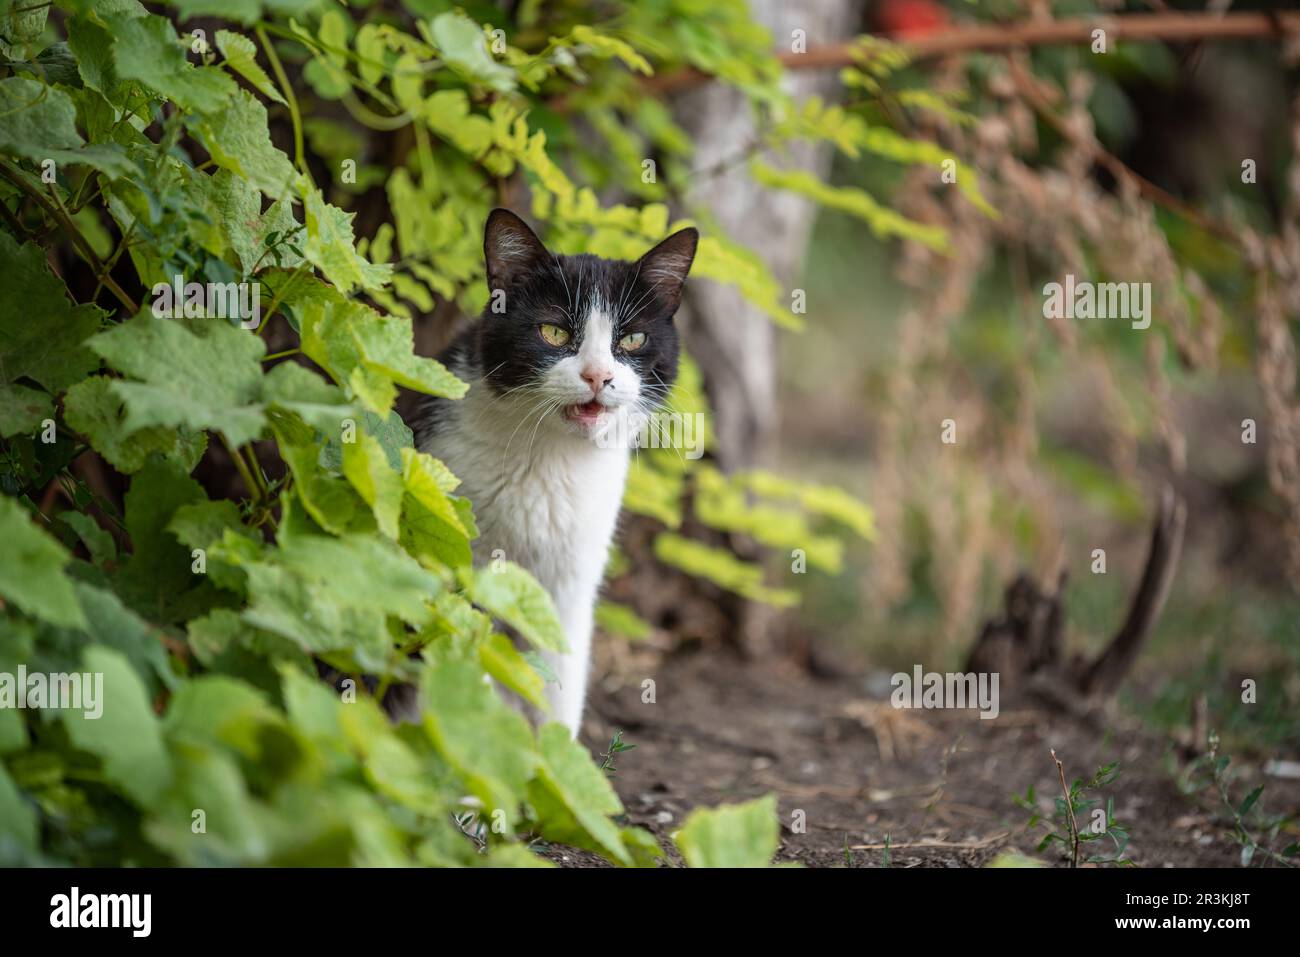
1076, 802
1210, 770
616, 747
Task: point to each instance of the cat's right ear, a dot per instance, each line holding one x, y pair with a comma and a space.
510, 248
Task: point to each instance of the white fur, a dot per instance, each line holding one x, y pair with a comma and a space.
544, 492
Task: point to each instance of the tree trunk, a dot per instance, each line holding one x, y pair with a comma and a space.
733, 342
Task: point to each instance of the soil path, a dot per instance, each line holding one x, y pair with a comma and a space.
938, 785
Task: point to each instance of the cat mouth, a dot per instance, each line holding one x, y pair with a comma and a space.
585, 413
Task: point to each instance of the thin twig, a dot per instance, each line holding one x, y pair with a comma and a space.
1069, 806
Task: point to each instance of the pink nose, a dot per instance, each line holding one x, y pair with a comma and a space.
597, 377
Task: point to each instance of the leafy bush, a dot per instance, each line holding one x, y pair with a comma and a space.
205, 613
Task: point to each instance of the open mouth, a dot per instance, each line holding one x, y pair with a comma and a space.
588, 413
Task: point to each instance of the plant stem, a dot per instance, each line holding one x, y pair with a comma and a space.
241, 466
1069, 806
79, 242
290, 100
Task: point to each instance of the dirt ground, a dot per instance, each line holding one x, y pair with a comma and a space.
939, 785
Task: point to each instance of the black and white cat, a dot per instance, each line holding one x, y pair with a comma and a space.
567, 348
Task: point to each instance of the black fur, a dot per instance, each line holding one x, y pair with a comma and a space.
530, 286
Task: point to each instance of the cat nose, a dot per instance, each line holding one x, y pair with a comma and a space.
597, 377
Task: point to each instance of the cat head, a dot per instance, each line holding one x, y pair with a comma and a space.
579, 342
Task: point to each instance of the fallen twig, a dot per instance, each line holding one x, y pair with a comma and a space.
960, 845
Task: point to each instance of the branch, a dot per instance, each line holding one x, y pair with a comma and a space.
56, 211
1162, 561
985, 37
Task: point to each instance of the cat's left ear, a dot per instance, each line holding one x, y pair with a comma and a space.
668, 263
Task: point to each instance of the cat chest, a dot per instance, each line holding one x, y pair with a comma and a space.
555, 519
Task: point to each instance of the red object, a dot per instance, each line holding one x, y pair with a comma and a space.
910, 18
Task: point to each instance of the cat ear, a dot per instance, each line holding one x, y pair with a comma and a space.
510, 248
668, 263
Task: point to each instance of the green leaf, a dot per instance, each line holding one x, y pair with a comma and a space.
236, 826
1014, 859
197, 373
573, 798
18, 820
464, 48
98, 413
513, 595
41, 332
13, 732
31, 569
484, 740
612, 46
1249, 801
160, 569
330, 501
369, 355
238, 204
22, 410
515, 855
331, 248
721, 567
147, 49
884, 222
241, 11
204, 525
113, 625
364, 572
126, 736
621, 620
366, 466
337, 594
223, 711
241, 56
736, 835
435, 525
502, 660
390, 432
238, 139
100, 544
92, 45
38, 122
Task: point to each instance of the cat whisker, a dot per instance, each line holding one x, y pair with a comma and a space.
555, 405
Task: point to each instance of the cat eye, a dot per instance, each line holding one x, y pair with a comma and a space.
554, 334
632, 341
